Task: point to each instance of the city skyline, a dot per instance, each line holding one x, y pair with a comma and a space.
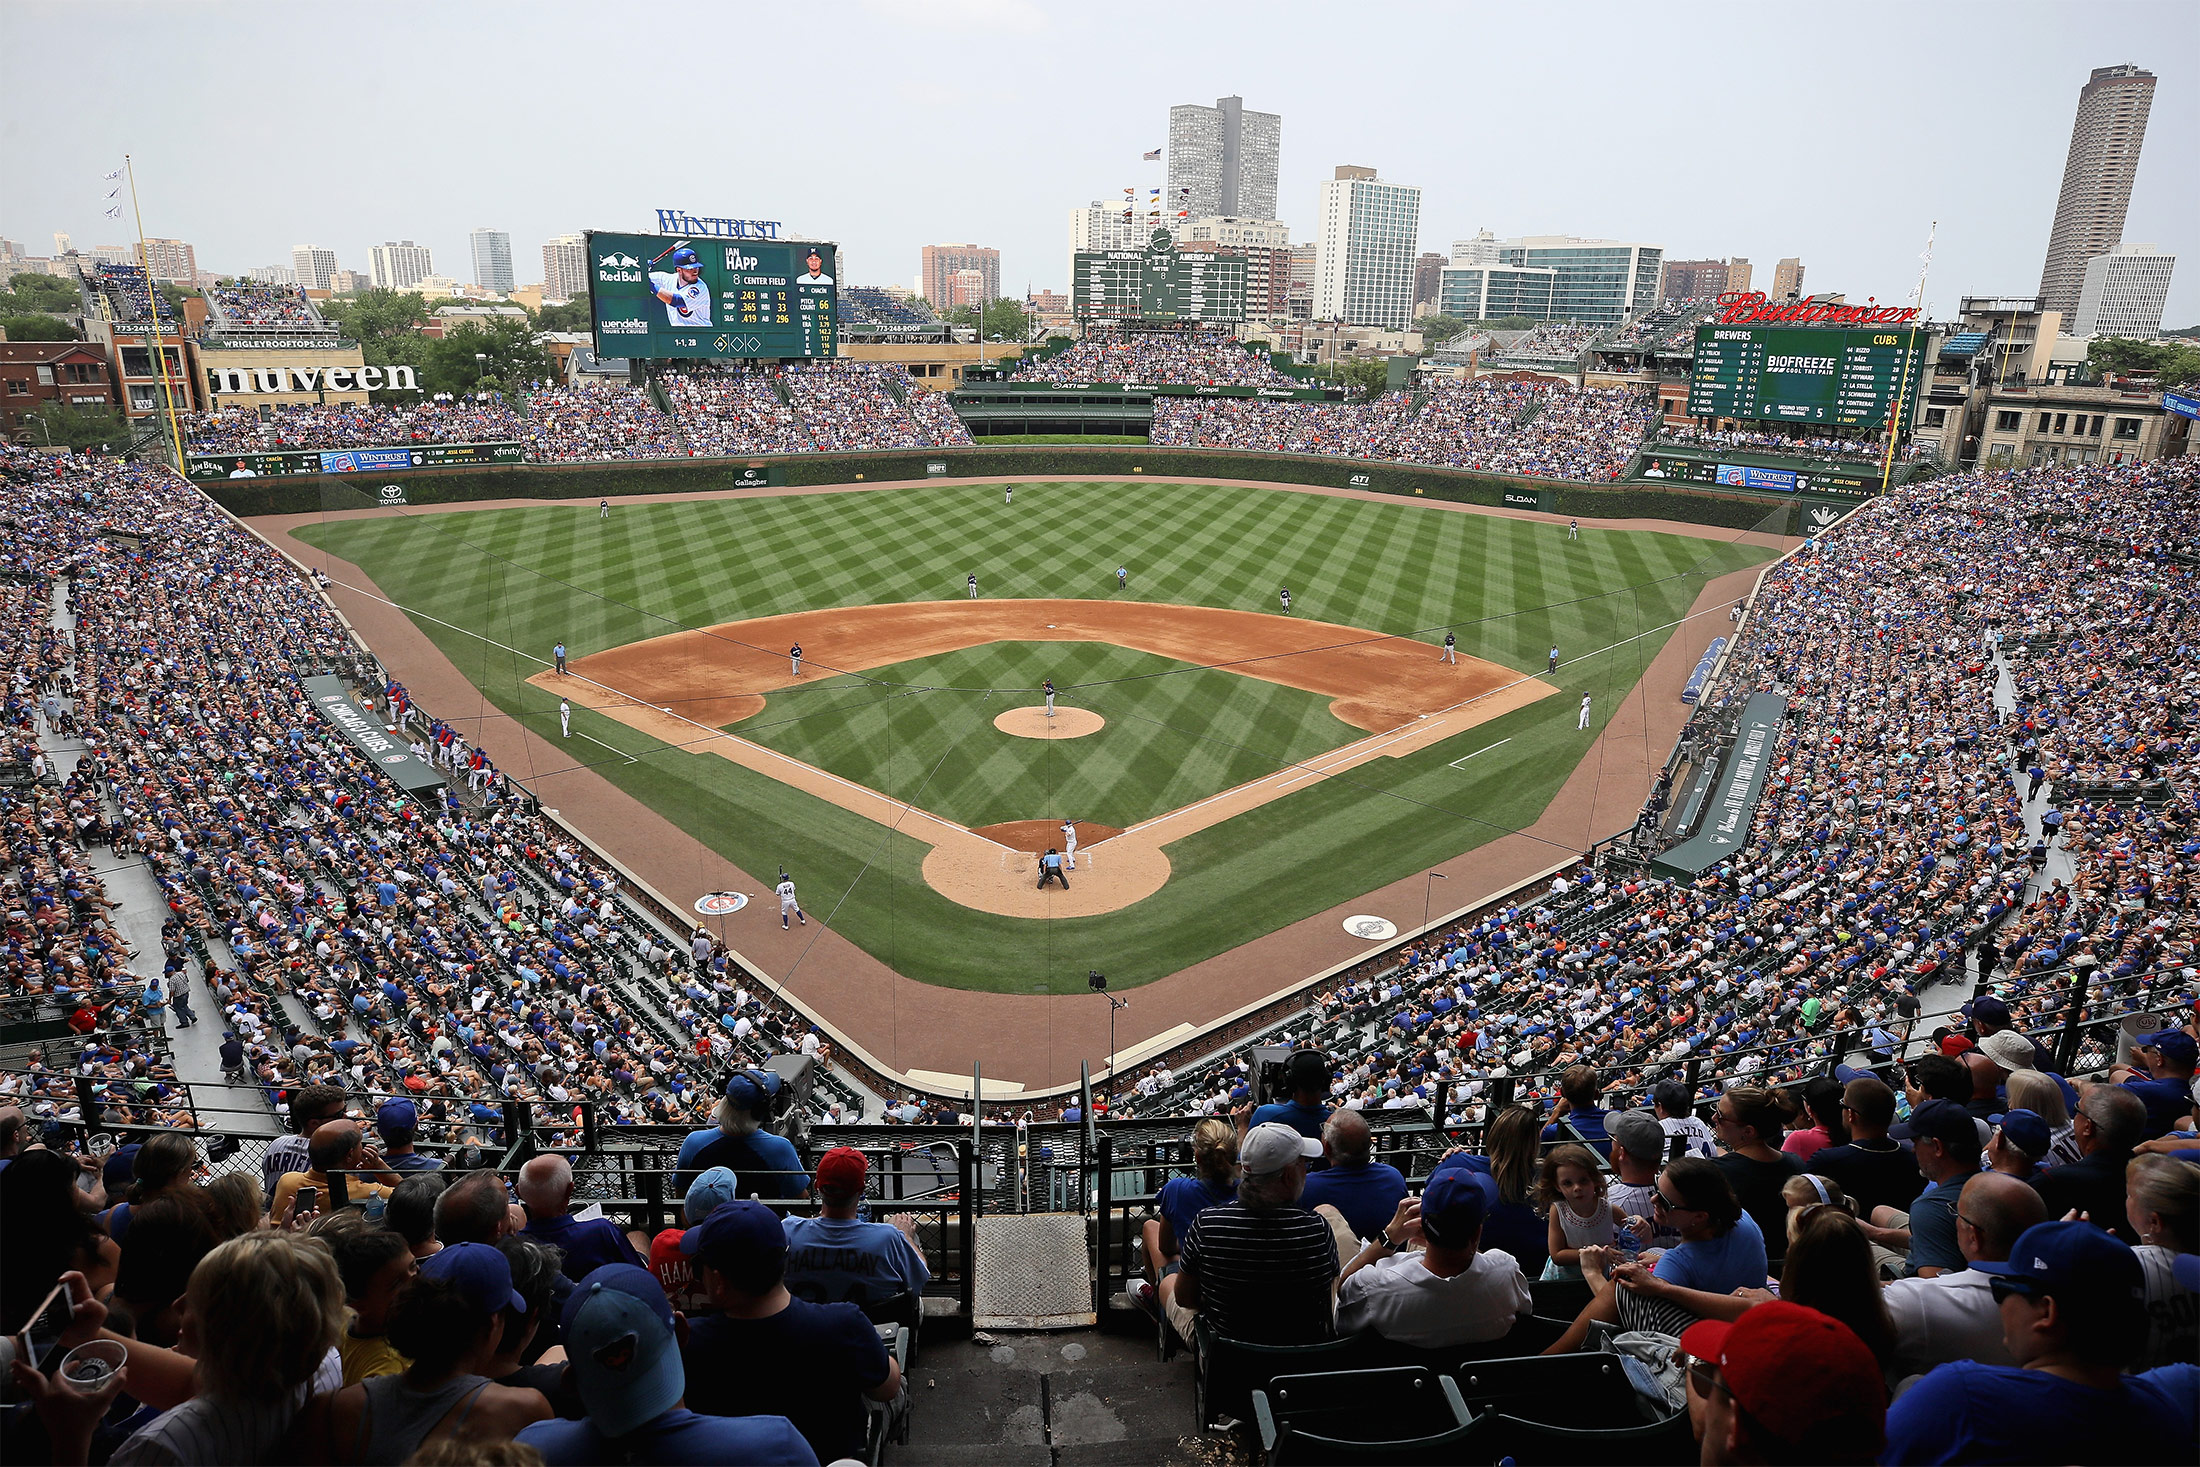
1850, 184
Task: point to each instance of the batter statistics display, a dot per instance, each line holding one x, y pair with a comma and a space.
671, 296
1802, 374
1158, 283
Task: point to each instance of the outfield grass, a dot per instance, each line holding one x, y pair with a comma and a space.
482, 581
941, 752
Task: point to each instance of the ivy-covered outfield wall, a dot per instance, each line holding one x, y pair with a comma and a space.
678, 476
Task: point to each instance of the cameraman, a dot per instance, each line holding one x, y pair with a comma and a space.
1306, 1077
766, 1164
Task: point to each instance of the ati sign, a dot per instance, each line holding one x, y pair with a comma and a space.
1739, 307
1358, 481
229, 381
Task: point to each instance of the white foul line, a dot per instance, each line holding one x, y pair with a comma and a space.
1465, 757
599, 743
1352, 753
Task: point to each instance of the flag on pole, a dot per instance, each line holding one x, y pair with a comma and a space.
1154, 156
115, 212
111, 177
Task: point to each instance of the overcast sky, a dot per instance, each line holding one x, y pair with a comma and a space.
1835, 132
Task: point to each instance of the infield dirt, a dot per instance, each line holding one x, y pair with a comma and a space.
681, 688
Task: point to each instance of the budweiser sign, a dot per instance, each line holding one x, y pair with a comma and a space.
1742, 307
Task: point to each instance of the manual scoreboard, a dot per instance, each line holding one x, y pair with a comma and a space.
1803, 374
1158, 283
673, 296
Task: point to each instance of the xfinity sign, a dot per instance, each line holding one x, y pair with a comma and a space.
226, 381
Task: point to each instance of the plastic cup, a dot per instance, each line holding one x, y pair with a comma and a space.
92, 1366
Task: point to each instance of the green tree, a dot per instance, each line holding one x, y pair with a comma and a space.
1005, 320
77, 427
32, 292
2171, 364
1362, 377
36, 328
570, 316
514, 358
377, 315
1438, 329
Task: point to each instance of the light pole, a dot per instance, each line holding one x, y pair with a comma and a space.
1427, 887
1099, 982
481, 370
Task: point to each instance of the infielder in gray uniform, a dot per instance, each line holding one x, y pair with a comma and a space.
973, 588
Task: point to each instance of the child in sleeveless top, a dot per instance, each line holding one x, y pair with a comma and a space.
1572, 1188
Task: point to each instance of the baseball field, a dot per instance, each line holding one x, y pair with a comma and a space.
1233, 767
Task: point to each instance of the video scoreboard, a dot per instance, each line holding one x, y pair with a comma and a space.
1803, 374
672, 296
1158, 283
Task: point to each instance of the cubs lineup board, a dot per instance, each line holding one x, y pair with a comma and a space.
654, 295
1158, 283
1802, 374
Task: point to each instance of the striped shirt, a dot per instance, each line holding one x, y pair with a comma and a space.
1263, 1276
208, 1429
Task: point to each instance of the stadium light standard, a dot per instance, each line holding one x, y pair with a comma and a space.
481, 370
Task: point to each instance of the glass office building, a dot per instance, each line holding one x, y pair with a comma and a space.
1601, 281
1493, 292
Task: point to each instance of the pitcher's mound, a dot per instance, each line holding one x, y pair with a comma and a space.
1033, 723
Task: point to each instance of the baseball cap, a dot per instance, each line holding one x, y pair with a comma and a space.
1306, 1069
2009, 1049
1988, 1010
2027, 1131
618, 1335
1453, 1205
739, 1229
120, 1166
2174, 1045
842, 1169
1794, 1370
1637, 1133
481, 1274
713, 1189
396, 1115
2064, 1257
1952, 1045
1272, 1146
1941, 1120
1846, 1073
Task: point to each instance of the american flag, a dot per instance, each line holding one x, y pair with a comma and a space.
1154, 156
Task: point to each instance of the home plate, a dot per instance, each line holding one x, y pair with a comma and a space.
1373, 929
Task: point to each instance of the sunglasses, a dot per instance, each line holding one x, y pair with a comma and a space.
1659, 1202
2005, 1287
1704, 1376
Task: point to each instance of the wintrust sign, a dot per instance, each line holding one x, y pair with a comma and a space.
1739, 308
224, 381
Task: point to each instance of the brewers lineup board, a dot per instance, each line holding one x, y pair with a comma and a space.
656, 295
1802, 374
1158, 283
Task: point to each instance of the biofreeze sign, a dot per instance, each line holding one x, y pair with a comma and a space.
225, 381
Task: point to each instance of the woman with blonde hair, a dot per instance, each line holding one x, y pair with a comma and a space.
2162, 1204
260, 1317
1214, 1179
2030, 1090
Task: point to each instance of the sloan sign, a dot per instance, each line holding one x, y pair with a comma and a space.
225, 381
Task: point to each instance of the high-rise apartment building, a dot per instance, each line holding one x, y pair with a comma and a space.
170, 260
1689, 279
1484, 249
350, 282
399, 264
1737, 274
1369, 232
274, 275
314, 266
565, 268
1305, 265
1428, 278
1265, 245
1223, 161
941, 261
2096, 185
1787, 280
492, 250
2124, 292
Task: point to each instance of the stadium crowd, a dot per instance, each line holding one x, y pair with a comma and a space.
733, 410
1199, 358
438, 418
1814, 445
597, 424
130, 295
1494, 424
252, 303
1550, 341
1869, 1266
861, 405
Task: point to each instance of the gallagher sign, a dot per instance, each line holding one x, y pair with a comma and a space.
1739, 308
